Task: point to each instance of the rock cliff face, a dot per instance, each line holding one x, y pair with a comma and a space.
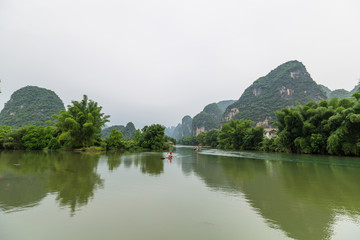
30, 106
282, 87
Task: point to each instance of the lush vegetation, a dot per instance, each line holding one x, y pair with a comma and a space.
339, 93
207, 119
80, 127
28, 137
30, 106
236, 134
324, 127
81, 124
329, 126
283, 87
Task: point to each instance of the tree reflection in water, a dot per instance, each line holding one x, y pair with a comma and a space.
74, 180
71, 177
303, 198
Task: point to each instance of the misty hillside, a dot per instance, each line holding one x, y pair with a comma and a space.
339, 93
207, 119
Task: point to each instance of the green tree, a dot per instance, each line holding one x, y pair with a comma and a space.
13, 139
4, 130
37, 138
115, 140
241, 135
211, 138
152, 137
81, 124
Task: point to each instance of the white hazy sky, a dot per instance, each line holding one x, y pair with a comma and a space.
154, 61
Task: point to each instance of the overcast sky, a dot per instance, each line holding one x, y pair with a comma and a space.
155, 61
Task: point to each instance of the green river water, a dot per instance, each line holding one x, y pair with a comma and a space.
210, 194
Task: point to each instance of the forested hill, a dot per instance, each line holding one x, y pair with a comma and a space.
339, 93
30, 106
283, 87
207, 119
128, 131
183, 129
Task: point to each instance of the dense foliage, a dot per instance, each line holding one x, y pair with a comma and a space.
283, 87
81, 124
79, 127
152, 137
324, 127
208, 119
236, 134
28, 137
115, 140
240, 134
329, 126
339, 93
30, 106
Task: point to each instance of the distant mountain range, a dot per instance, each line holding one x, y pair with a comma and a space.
207, 119
128, 131
285, 86
339, 93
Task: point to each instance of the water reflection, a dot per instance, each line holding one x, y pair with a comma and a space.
74, 179
26, 178
298, 195
23, 180
114, 161
302, 199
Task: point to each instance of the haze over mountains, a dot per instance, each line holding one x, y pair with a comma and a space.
285, 86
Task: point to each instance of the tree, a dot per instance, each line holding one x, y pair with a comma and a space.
240, 134
37, 138
211, 138
152, 137
115, 140
81, 124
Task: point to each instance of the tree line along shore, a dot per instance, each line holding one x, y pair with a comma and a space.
323, 127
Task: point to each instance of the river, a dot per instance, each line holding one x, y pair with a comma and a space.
211, 194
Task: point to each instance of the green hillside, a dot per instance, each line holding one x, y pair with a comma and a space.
30, 106
206, 120
128, 131
224, 104
183, 129
283, 87
339, 93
